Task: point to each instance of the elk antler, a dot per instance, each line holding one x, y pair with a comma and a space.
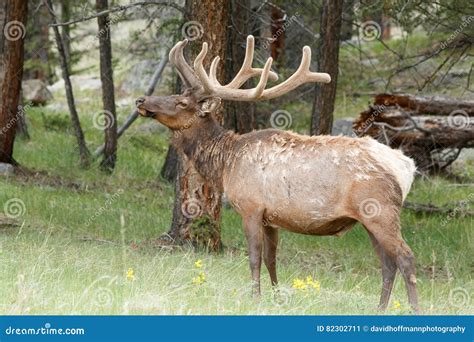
185, 72
259, 93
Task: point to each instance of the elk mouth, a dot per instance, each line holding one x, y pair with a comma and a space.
142, 108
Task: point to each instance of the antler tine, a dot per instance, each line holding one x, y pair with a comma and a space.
213, 70
246, 71
213, 88
301, 76
186, 73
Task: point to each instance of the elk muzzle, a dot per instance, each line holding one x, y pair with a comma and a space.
148, 106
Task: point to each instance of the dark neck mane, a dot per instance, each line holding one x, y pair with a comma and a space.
209, 147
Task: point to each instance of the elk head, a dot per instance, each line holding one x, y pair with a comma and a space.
203, 92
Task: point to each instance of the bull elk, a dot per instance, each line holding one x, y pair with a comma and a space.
315, 185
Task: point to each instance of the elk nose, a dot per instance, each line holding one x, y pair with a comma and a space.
139, 101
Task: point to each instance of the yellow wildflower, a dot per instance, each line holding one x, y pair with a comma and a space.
397, 305
130, 274
299, 284
198, 263
201, 278
313, 283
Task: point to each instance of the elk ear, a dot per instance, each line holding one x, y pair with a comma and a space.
208, 106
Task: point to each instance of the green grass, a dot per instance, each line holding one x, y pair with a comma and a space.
60, 261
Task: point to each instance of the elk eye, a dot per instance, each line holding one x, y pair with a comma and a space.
183, 104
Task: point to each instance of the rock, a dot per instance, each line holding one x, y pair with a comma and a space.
138, 77
343, 127
78, 82
6, 170
36, 92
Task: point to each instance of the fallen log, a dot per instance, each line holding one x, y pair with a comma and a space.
432, 133
425, 105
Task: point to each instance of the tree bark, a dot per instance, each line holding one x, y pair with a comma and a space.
108, 96
277, 46
426, 105
328, 61
14, 53
66, 29
84, 153
347, 20
238, 116
197, 206
36, 49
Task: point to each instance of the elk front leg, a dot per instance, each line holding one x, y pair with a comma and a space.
270, 243
253, 233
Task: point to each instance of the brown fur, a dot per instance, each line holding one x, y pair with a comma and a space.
308, 185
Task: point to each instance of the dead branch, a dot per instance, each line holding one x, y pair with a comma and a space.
122, 8
134, 114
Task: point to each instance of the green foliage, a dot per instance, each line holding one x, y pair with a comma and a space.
56, 122
203, 231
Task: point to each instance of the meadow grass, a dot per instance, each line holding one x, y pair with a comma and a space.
69, 256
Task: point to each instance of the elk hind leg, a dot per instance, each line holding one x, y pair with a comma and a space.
389, 271
386, 230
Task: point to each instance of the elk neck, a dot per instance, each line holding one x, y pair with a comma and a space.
209, 147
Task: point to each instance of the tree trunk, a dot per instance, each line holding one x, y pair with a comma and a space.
238, 116
277, 46
14, 51
169, 171
37, 47
108, 97
83, 151
3, 13
328, 61
197, 207
347, 20
66, 29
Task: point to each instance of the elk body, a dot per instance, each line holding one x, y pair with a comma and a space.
319, 185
